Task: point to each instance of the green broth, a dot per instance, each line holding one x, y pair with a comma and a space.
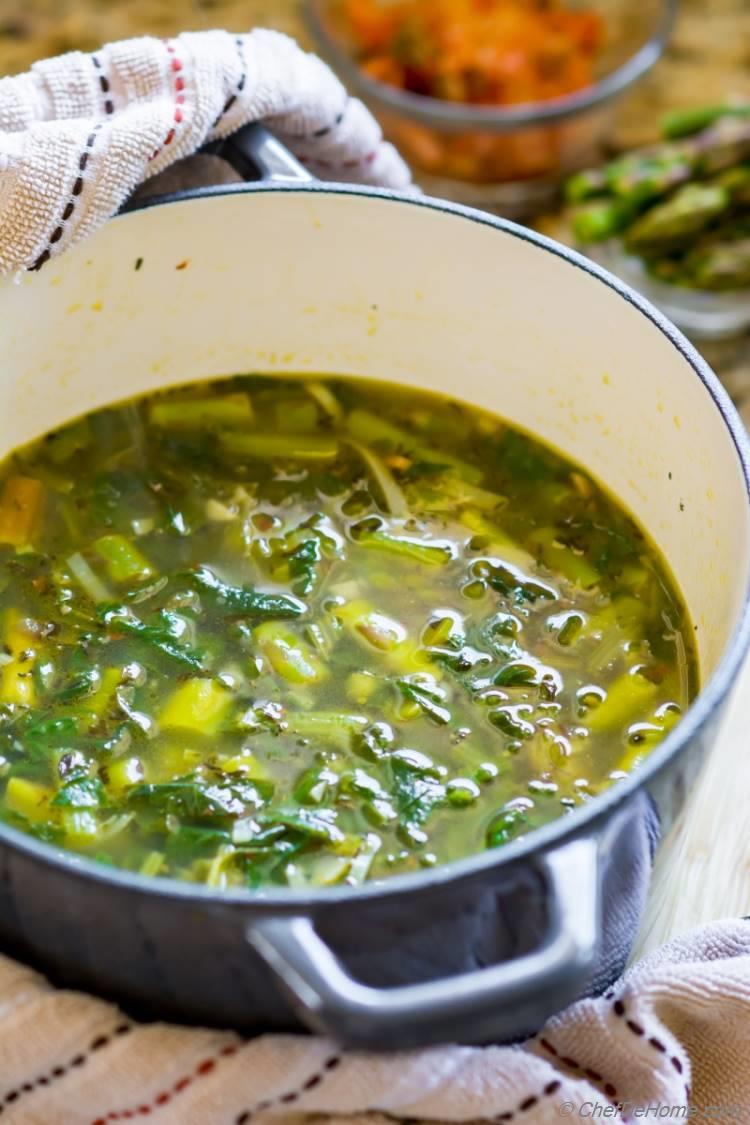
269, 631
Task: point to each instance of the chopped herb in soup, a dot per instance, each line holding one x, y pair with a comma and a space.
266, 631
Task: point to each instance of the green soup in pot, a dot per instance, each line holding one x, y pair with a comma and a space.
273, 631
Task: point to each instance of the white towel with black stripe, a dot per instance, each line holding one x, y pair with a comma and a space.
80, 132
668, 1042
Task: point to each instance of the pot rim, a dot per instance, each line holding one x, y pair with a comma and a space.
583, 820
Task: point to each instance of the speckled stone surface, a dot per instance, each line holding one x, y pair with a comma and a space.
709, 57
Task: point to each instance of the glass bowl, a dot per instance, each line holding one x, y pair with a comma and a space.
509, 159
702, 315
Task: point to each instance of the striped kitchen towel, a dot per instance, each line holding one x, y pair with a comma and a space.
78, 133
670, 1041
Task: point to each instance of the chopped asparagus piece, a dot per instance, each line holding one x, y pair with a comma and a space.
233, 410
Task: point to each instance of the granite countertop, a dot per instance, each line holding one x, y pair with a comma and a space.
709, 57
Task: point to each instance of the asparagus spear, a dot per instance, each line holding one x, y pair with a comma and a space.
736, 181
720, 261
689, 210
601, 219
683, 205
671, 224
685, 122
640, 175
637, 179
643, 177
718, 148
735, 227
719, 266
632, 184
588, 184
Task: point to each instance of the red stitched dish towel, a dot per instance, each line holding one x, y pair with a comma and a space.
78, 133
673, 1033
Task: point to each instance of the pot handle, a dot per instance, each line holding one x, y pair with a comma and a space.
487, 1004
256, 155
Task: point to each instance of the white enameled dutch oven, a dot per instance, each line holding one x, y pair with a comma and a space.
288, 275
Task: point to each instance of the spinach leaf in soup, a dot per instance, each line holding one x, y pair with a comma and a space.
306, 632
